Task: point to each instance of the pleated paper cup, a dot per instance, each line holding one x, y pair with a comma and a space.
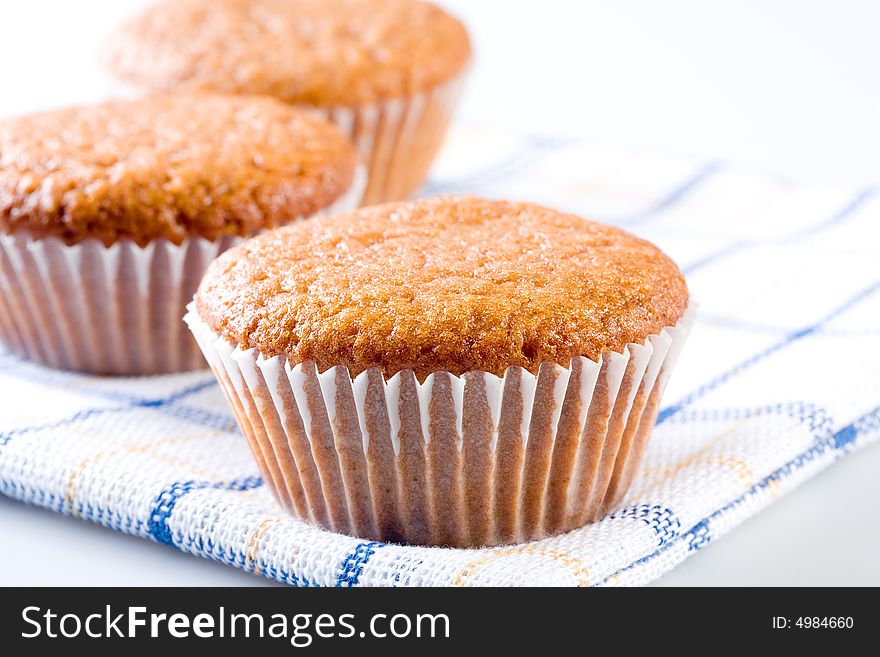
397, 138
463, 461
109, 309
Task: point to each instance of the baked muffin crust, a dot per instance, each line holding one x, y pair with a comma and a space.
450, 283
317, 52
169, 166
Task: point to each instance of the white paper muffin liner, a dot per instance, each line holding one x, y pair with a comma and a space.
464, 461
398, 138
109, 310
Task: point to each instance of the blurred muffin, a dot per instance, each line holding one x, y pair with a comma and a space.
387, 72
109, 215
451, 371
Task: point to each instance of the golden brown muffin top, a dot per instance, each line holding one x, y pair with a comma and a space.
448, 283
316, 52
168, 167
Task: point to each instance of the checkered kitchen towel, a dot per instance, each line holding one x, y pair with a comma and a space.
780, 378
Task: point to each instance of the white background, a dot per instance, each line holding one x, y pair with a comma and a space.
783, 86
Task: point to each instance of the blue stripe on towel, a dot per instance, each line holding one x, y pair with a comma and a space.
789, 339
353, 564
167, 500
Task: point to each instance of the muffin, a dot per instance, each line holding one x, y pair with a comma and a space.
110, 214
452, 371
387, 72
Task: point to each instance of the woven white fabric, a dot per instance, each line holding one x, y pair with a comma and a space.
779, 379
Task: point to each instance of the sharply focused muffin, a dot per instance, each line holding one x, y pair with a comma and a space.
387, 72
451, 371
109, 215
